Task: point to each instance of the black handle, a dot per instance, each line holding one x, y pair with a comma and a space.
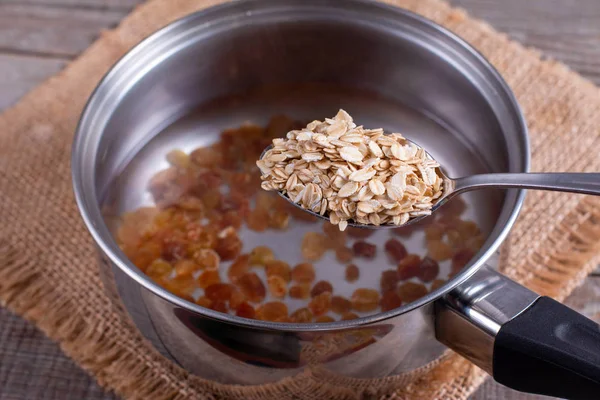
549, 349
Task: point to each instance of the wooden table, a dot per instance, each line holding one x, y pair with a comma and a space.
39, 37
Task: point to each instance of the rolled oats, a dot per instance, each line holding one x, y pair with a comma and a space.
349, 173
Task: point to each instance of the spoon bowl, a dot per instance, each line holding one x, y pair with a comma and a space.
583, 183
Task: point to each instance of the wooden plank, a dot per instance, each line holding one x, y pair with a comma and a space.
59, 32
19, 74
566, 30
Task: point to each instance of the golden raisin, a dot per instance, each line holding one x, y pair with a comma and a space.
455, 240
410, 291
258, 220
468, 229
219, 305
229, 244
206, 239
271, 311
314, 245
252, 287
277, 286
352, 273
300, 291
428, 270
159, 269
349, 316
321, 287
439, 250
245, 310
219, 291
207, 259
390, 300
389, 280
303, 273
182, 285
395, 250
343, 254
280, 268
206, 157
302, 315
204, 301
236, 299
261, 255
365, 299
320, 304
340, 305
178, 158
322, 319
279, 219
409, 267
436, 284
434, 232
186, 267
238, 268
208, 278
364, 249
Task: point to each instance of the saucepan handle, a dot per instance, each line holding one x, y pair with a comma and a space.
526, 342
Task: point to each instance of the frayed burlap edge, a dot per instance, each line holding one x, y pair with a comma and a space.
552, 261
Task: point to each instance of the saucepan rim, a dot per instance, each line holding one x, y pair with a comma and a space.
89, 208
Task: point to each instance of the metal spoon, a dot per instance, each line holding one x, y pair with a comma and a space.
584, 183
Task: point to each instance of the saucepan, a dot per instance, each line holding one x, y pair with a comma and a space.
247, 60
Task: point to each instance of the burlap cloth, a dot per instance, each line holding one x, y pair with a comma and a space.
48, 271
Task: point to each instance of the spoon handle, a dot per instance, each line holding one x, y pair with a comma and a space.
586, 183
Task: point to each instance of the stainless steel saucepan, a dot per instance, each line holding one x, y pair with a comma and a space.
248, 60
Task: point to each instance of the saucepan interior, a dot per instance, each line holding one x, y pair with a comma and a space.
251, 60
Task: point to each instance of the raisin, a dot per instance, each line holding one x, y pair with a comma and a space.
208, 277
436, 284
261, 255
258, 220
428, 270
349, 316
365, 300
389, 280
279, 268
182, 285
271, 311
321, 287
303, 273
409, 267
230, 218
468, 229
395, 250
390, 300
279, 219
455, 240
277, 286
236, 299
460, 259
359, 233
185, 267
364, 249
336, 237
207, 239
302, 315
207, 258
344, 254
340, 305
159, 269
410, 291
204, 301
314, 245
245, 310
475, 243
434, 232
439, 250
219, 291
320, 304
252, 287
300, 291
322, 319
352, 273
238, 268
219, 305
229, 246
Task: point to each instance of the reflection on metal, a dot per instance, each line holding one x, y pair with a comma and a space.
469, 317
